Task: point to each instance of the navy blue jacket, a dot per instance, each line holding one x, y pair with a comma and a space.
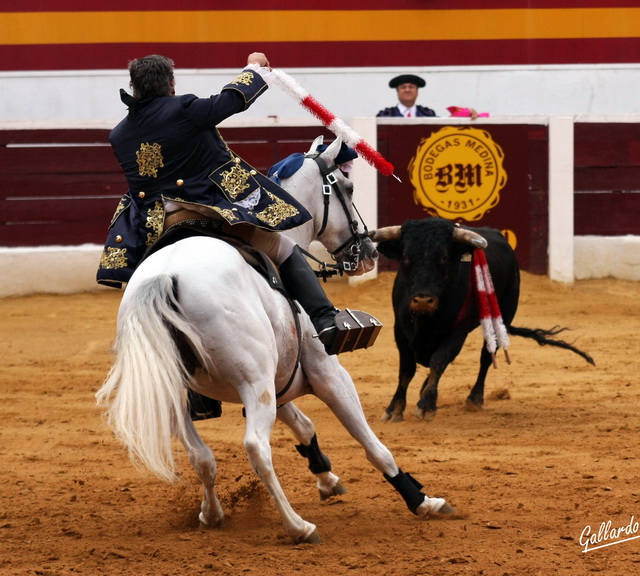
169, 147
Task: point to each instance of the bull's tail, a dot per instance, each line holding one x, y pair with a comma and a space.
145, 391
545, 338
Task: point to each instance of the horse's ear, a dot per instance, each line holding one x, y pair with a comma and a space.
333, 149
314, 145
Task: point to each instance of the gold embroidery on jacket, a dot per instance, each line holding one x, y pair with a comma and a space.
155, 221
275, 213
234, 180
149, 159
113, 258
245, 78
121, 206
228, 215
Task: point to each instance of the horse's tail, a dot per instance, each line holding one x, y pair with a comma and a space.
145, 390
545, 338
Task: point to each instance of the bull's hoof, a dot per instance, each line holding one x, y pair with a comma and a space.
336, 490
392, 416
471, 406
426, 415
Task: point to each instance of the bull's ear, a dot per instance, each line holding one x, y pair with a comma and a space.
391, 249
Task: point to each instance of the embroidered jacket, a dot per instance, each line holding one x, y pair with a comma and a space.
169, 147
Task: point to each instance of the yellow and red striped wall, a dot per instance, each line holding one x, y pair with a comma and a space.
38, 35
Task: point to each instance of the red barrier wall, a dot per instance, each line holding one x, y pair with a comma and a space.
60, 187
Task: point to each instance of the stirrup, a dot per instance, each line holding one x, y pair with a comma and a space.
352, 330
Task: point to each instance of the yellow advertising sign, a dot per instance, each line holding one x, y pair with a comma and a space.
457, 172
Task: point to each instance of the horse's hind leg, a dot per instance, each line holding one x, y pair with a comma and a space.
204, 463
260, 420
328, 483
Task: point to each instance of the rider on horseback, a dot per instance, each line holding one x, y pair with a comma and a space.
170, 150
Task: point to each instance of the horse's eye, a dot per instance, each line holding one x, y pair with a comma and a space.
348, 188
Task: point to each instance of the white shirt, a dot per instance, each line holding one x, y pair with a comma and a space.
405, 111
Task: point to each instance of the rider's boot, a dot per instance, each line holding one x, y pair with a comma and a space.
302, 285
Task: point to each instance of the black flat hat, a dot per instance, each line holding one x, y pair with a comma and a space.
407, 79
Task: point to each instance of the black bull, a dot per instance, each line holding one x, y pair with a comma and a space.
429, 295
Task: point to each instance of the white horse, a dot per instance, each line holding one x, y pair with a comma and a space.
243, 337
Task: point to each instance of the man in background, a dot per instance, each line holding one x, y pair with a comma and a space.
407, 86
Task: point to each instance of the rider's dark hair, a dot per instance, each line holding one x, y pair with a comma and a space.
151, 76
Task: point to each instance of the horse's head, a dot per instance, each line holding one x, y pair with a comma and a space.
327, 193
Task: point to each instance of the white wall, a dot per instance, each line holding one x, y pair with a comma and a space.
348, 92
72, 269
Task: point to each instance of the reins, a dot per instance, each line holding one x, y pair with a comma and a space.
329, 187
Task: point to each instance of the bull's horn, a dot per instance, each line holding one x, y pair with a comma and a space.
468, 237
387, 233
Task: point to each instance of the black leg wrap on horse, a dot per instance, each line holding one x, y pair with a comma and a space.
202, 407
409, 488
318, 462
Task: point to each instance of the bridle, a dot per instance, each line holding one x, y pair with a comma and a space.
351, 248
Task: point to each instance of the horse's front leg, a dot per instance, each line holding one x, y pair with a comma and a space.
260, 409
336, 389
301, 426
204, 463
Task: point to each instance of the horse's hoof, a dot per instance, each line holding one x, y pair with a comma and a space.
312, 538
435, 507
446, 510
208, 524
336, 490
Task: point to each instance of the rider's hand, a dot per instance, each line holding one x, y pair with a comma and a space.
258, 58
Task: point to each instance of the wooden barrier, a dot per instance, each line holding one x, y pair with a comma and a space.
607, 178
61, 186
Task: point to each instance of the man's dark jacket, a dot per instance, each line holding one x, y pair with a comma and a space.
394, 112
169, 147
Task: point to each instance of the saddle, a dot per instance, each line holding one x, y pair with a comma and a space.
212, 228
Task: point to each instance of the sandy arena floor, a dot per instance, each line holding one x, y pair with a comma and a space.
553, 452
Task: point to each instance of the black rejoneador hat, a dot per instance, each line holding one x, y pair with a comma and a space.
407, 79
